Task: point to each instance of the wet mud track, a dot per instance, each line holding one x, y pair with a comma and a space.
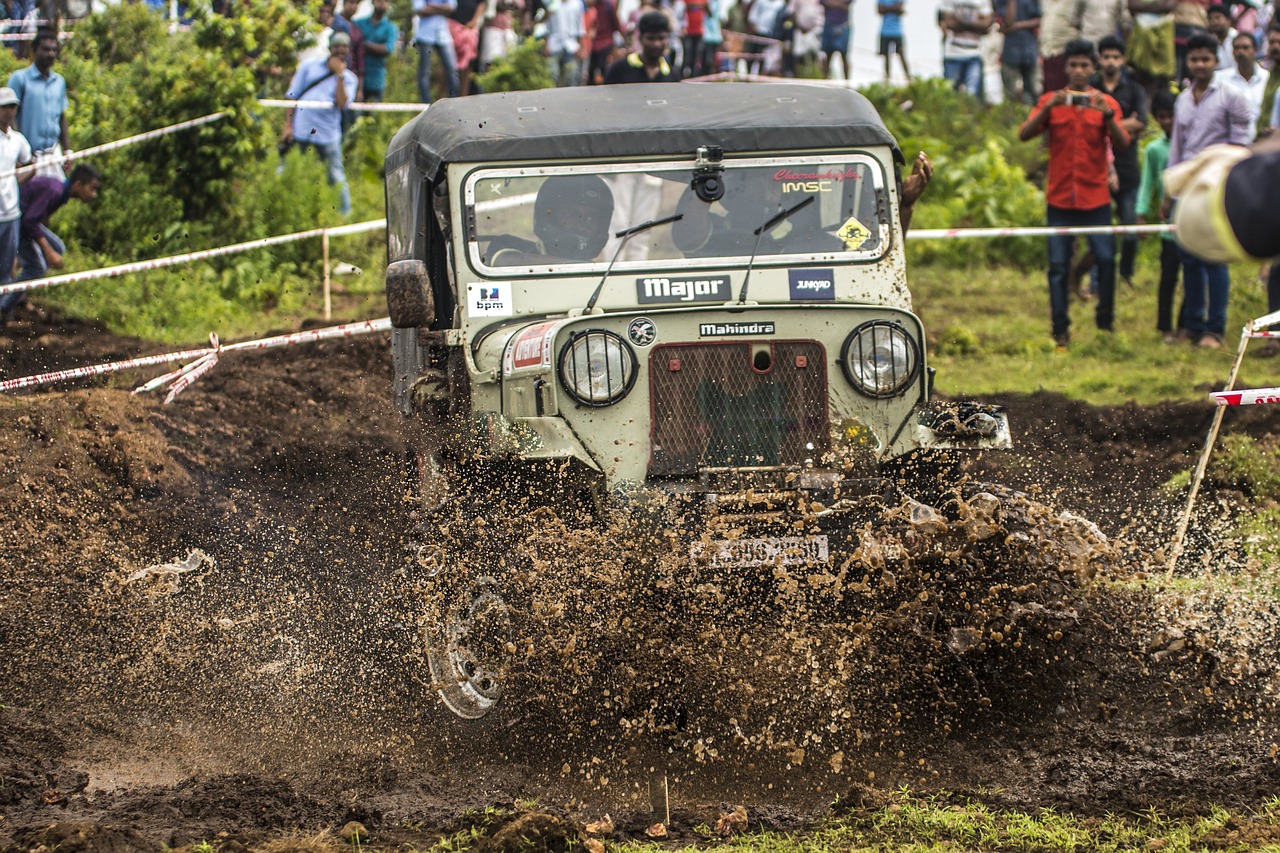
209, 616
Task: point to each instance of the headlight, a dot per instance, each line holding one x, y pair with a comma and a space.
880, 359
597, 368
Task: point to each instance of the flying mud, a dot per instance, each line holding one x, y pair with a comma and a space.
213, 619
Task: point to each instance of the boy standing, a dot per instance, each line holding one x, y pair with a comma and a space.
1208, 112
1079, 121
1150, 199
892, 36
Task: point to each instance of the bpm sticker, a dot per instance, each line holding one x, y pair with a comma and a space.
812, 284
650, 291
489, 299
731, 330
530, 347
853, 233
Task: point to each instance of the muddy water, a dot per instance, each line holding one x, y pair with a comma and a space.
277, 680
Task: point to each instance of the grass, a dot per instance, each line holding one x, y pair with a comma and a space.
989, 332
948, 823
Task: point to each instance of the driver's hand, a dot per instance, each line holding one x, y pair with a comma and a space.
914, 184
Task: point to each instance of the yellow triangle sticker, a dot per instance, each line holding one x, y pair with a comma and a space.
853, 233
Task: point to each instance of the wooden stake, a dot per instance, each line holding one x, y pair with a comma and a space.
324, 248
1175, 549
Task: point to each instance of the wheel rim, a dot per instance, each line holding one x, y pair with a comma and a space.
468, 640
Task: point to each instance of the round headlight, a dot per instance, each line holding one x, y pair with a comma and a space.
880, 359
597, 368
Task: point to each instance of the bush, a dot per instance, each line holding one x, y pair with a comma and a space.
524, 68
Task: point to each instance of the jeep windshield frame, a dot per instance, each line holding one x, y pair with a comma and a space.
544, 220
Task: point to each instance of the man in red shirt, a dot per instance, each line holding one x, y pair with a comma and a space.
1081, 124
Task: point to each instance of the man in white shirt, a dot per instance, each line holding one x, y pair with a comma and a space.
15, 151
1219, 17
565, 31
1246, 76
965, 22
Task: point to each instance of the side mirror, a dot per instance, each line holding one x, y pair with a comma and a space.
409, 299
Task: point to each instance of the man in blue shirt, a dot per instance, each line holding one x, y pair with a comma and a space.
432, 31
380, 37
39, 249
325, 80
42, 114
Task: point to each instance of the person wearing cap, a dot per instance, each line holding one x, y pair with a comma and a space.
15, 151
649, 64
42, 99
39, 248
330, 81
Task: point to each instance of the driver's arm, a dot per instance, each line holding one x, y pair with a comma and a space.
692, 232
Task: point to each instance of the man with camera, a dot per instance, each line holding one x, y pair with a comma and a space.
1080, 123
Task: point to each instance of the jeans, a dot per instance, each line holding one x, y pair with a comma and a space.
9, 251
565, 68
964, 72
448, 59
1207, 287
1021, 83
331, 154
1273, 291
1103, 247
1126, 204
1169, 266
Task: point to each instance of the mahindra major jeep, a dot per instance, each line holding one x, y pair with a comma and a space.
606, 294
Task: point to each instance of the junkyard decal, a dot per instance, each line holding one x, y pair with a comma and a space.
807, 285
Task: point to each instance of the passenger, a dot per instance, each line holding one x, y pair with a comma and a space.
570, 219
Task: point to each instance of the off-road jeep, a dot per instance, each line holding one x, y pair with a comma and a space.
621, 291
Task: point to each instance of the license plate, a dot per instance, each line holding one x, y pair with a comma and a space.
772, 551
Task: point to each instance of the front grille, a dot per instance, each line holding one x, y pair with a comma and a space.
715, 407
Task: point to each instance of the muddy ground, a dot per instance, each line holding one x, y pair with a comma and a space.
209, 619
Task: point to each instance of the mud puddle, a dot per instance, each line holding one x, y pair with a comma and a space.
210, 618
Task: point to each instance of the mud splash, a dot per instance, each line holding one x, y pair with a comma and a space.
993, 644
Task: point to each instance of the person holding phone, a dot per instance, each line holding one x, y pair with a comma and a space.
1080, 123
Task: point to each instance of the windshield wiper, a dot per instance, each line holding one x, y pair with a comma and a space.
626, 234
777, 220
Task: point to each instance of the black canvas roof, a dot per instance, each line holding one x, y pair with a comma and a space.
651, 119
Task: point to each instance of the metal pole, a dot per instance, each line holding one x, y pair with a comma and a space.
1175, 549
324, 248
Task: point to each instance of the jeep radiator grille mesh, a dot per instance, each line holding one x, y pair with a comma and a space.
736, 404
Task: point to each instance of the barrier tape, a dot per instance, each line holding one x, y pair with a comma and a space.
949, 233
1252, 397
205, 358
359, 106
121, 143
172, 260
1266, 320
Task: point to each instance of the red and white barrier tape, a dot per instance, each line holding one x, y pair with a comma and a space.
1266, 320
359, 106
950, 233
1251, 397
205, 359
171, 260
128, 140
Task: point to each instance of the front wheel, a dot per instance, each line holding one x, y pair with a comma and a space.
467, 633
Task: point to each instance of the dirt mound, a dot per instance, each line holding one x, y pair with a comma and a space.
210, 616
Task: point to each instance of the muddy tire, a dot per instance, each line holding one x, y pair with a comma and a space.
466, 631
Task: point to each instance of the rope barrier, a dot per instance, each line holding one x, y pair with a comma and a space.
171, 260
121, 143
1055, 231
359, 106
205, 359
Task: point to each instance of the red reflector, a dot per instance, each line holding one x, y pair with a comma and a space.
802, 361
673, 365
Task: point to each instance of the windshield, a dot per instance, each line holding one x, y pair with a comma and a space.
526, 220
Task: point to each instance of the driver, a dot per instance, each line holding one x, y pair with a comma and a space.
570, 219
